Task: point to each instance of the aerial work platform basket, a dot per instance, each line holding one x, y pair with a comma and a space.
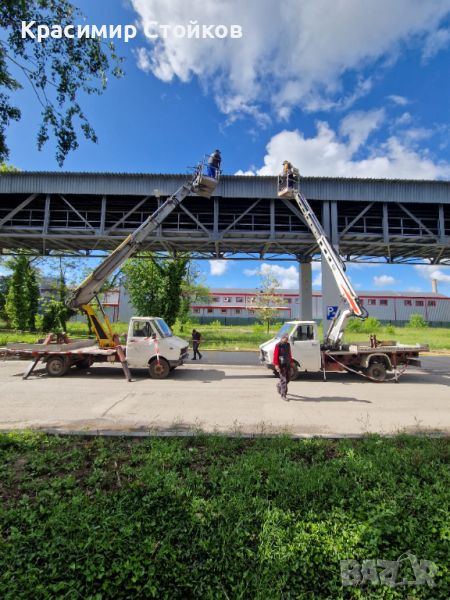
288, 183
207, 178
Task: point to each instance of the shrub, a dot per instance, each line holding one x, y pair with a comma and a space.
354, 325
258, 328
390, 329
216, 324
371, 325
417, 321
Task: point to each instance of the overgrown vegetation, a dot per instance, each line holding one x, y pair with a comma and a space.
416, 321
210, 517
248, 337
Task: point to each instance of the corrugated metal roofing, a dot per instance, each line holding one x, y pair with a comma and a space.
231, 186
363, 294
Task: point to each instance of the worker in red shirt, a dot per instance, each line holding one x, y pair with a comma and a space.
282, 361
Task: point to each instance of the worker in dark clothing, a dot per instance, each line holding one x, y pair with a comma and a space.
196, 339
214, 164
282, 361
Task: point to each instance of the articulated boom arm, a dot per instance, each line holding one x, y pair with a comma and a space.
92, 285
333, 259
288, 187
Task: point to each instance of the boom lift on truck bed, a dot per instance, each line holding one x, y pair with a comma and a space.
371, 360
288, 187
150, 342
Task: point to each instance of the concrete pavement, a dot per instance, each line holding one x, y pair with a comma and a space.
225, 398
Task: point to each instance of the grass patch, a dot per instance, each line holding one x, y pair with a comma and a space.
210, 517
249, 337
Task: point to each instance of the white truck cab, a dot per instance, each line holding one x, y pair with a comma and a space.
151, 344
305, 346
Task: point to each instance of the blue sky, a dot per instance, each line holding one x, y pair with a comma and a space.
341, 88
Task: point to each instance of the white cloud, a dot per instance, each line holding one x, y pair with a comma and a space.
287, 277
317, 281
303, 48
434, 43
399, 100
218, 267
338, 154
441, 274
241, 172
383, 281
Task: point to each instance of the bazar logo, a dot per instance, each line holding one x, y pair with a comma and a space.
152, 30
407, 570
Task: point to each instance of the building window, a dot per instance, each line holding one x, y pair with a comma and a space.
215, 299
431, 302
372, 301
383, 302
419, 302
223, 310
408, 302
196, 311
227, 298
210, 310
289, 300
238, 311
239, 299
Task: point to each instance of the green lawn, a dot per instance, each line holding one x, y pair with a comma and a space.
217, 518
248, 337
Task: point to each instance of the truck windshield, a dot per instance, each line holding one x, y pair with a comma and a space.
163, 328
285, 330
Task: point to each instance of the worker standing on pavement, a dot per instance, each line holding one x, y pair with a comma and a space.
282, 361
196, 339
214, 164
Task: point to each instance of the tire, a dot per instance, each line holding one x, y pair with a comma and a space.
159, 370
57, 366
83, 364
294, 373
377, 371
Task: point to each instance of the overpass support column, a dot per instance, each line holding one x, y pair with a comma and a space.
331, 297
305, 308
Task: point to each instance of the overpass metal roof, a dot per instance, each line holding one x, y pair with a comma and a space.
230, 186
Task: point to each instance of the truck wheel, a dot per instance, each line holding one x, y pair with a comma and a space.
377, 371
294, 373
159, 370
57, 366
83, 364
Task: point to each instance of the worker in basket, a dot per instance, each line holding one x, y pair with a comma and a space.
290, 175
214, 161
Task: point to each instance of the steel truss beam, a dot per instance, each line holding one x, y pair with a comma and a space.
274, 231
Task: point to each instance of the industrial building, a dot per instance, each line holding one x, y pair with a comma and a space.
235, 306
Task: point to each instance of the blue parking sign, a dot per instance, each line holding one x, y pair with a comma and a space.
331, 312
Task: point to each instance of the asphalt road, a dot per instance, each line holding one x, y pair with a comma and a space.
225, 398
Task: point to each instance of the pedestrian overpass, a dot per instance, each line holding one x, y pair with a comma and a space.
390, 221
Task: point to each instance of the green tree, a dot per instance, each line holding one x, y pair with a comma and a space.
192, 290
4, 284
265, 304
155, 285
31, 297
4, 168
23, 294
58, 71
